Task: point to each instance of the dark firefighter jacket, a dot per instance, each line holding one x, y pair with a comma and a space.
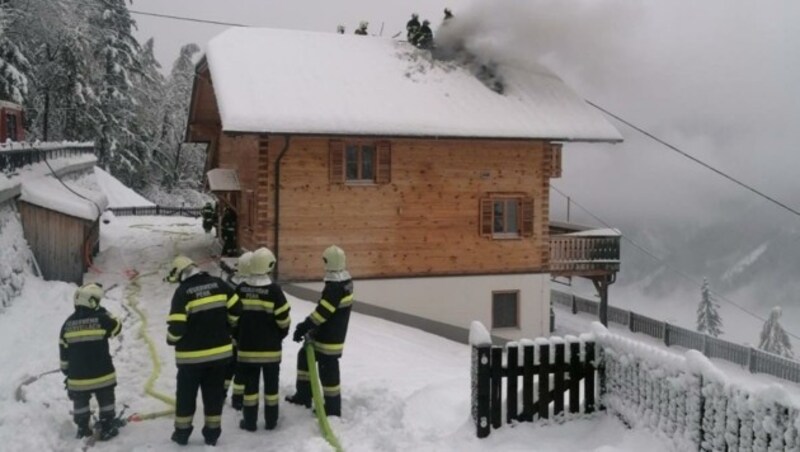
263, 324
83, 345
331, 317
204, 308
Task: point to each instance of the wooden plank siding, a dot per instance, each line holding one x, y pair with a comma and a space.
424, 222
57, 241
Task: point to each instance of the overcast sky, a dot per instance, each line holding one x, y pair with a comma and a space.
719, 78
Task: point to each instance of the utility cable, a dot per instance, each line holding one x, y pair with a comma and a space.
696, 160
665, 264
187, 19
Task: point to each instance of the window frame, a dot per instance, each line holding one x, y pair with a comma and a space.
381, 162
517, 306
12, 132
524, 216
360, 149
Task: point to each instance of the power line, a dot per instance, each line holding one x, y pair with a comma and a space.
187, 19
696, 160
664, 263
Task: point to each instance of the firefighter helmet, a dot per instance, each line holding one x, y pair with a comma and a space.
243, 264
334, 259
89, 295
262, 262
179, 265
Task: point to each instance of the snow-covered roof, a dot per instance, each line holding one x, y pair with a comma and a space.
118, 194
220, 179
50, 193
269, 80
607, 232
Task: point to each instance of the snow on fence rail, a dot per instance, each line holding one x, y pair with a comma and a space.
15, 155
556, 374
157, 211
756, 361
688, 400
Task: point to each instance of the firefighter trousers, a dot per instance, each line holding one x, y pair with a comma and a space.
250, 375
81, 413
328, 376
210, 380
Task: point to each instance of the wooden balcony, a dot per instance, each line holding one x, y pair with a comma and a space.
586, 252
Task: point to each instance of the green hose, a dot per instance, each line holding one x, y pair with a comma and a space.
316, 392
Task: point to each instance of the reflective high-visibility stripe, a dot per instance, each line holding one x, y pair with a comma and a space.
109, 407
232, 301
284, 323
258, 357
271, 399
173, 338
63, 343
331, 390
317, 318
183, 422
83, 410
257, 305
206, 303
84, 336
92, 383
233, 319
328, 349
176, 317
302, 375
117, 328
346, 301
64, 365
250, 400
324, 303
282, 309
202, 356
213, 421
238, 389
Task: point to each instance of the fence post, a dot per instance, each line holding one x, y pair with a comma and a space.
666, 334
512, 366
480, 389
588, 387
705, 345
527, 383
751, 360
496, 387
574, 305
630, 320
543, 351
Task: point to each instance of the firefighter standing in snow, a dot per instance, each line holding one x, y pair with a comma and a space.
327, 326
209, 214
86, 361
262, 326
232, 375
202, 309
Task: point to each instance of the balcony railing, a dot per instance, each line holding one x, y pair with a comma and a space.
17, 155
584, 255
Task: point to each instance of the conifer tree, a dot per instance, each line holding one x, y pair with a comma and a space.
773, 337
708, 319
14, 65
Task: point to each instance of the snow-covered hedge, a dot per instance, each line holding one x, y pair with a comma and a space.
15, 256
686, 398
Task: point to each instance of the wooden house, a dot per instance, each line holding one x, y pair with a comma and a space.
61, 226
434, 183
11, 125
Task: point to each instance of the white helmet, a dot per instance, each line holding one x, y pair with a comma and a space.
89, 295
243, 264
334, 258
262, 262
179, 264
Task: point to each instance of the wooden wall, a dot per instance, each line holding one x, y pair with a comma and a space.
57, 241
424, 223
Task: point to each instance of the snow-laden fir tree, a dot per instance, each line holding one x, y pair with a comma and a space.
773, 337
708, 319
14, 65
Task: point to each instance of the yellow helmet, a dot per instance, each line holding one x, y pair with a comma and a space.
89, 295
334, 259
243, 264
262, 262
179, 264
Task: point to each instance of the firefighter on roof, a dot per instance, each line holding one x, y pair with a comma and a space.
203, 309
327, 326
86, 361
262, 326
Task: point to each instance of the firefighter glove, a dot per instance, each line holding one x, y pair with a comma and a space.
301, 329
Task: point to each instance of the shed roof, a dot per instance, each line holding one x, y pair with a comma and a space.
286, 81
75, 201
220, 179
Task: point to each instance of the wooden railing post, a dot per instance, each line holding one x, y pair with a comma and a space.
512, 366
588, 388
544, 381
559, 387
481, 362
527, 383
496, 387
575, 373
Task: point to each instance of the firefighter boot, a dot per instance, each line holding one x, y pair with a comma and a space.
299, 399
84, 430
333, 406
211, 435
109, 428
181, 435
270, 417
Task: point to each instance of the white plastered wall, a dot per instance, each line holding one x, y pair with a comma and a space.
458, 300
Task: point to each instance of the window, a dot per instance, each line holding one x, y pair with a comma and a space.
11, 126
360, 162
505, 309
506, 216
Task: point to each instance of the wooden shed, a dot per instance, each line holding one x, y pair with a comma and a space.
61, 226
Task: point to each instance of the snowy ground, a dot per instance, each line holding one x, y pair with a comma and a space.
402, 389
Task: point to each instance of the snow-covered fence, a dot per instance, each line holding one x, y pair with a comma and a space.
688, 400
17, 155
753, 359
556, 375
157, 211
